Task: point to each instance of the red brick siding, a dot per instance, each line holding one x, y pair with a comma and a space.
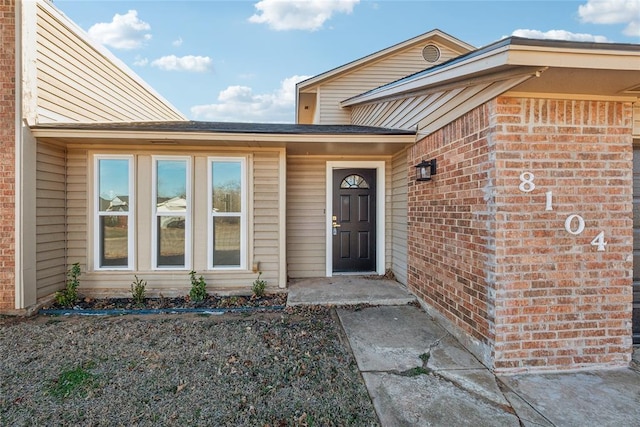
450, 229
560, 303
491, 259
7, 157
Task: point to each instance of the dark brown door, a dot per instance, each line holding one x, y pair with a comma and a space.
354, 220
636, 245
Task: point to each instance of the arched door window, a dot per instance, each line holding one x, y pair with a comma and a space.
354, 181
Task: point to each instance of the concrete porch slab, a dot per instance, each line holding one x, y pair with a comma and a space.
347, 290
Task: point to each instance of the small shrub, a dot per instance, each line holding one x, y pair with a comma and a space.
138, 291
67, 297
198, 292
259, 286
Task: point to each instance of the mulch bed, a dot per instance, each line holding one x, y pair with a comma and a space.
211, 302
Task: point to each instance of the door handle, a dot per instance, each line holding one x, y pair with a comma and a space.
335, 225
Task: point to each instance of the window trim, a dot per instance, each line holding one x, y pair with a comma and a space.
188, 214
244, 197
130, 214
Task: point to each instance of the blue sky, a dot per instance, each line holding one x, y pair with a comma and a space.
240, 60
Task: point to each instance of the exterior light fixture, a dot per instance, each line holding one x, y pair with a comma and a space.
425, 170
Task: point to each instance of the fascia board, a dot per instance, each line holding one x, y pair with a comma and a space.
86, 136
481, 63
575, 58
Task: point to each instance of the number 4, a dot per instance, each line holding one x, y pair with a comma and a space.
599, 242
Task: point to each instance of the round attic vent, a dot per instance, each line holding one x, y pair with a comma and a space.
431, 53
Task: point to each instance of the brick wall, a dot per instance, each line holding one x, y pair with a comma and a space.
488, 255
7, 154
450, 228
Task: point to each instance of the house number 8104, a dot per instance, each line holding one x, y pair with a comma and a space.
574, 224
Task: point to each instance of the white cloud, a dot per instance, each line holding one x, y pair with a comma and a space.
559, 35
177, 42
299, 14
140, 61
240, 104
613, 12
196, 64
123, 32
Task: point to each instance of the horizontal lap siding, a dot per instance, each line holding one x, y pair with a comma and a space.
306, 216
264, 226
50, 220
372, 76
306, 247
398, 209
78, 83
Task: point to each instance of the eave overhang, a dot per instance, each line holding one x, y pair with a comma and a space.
568, 61
333, 140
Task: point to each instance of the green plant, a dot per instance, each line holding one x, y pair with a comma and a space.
259, 286
138, 291
67, 297
198, 285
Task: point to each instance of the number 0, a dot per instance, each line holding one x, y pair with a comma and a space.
568, 224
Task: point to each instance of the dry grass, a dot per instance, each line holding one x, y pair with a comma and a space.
252, 370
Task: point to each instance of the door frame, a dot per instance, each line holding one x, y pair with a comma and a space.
379, 166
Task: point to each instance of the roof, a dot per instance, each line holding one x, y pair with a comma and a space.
227, 127
297, 139
514, 52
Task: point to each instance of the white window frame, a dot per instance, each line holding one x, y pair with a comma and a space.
156, 215
130, 214
242, 215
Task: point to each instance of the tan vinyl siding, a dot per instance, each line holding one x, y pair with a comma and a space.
306, 217
50, 220
263, 226
398, 209
366, 78
76, 82
636, 120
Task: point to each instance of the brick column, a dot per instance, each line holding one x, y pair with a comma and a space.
563, 190
522, 242
7, 157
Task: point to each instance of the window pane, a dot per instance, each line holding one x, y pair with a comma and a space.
114, 241
171, 241
226, 187
114, 185
226, 242
171, 186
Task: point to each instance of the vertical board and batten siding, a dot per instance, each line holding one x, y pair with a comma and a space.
264, 229
306, 215
398, 208
50, 219
374, 75
78, 83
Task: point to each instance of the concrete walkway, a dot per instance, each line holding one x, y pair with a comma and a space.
417, 374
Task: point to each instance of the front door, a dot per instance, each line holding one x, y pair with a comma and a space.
354, 220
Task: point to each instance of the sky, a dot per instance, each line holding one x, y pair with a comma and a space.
239, 61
